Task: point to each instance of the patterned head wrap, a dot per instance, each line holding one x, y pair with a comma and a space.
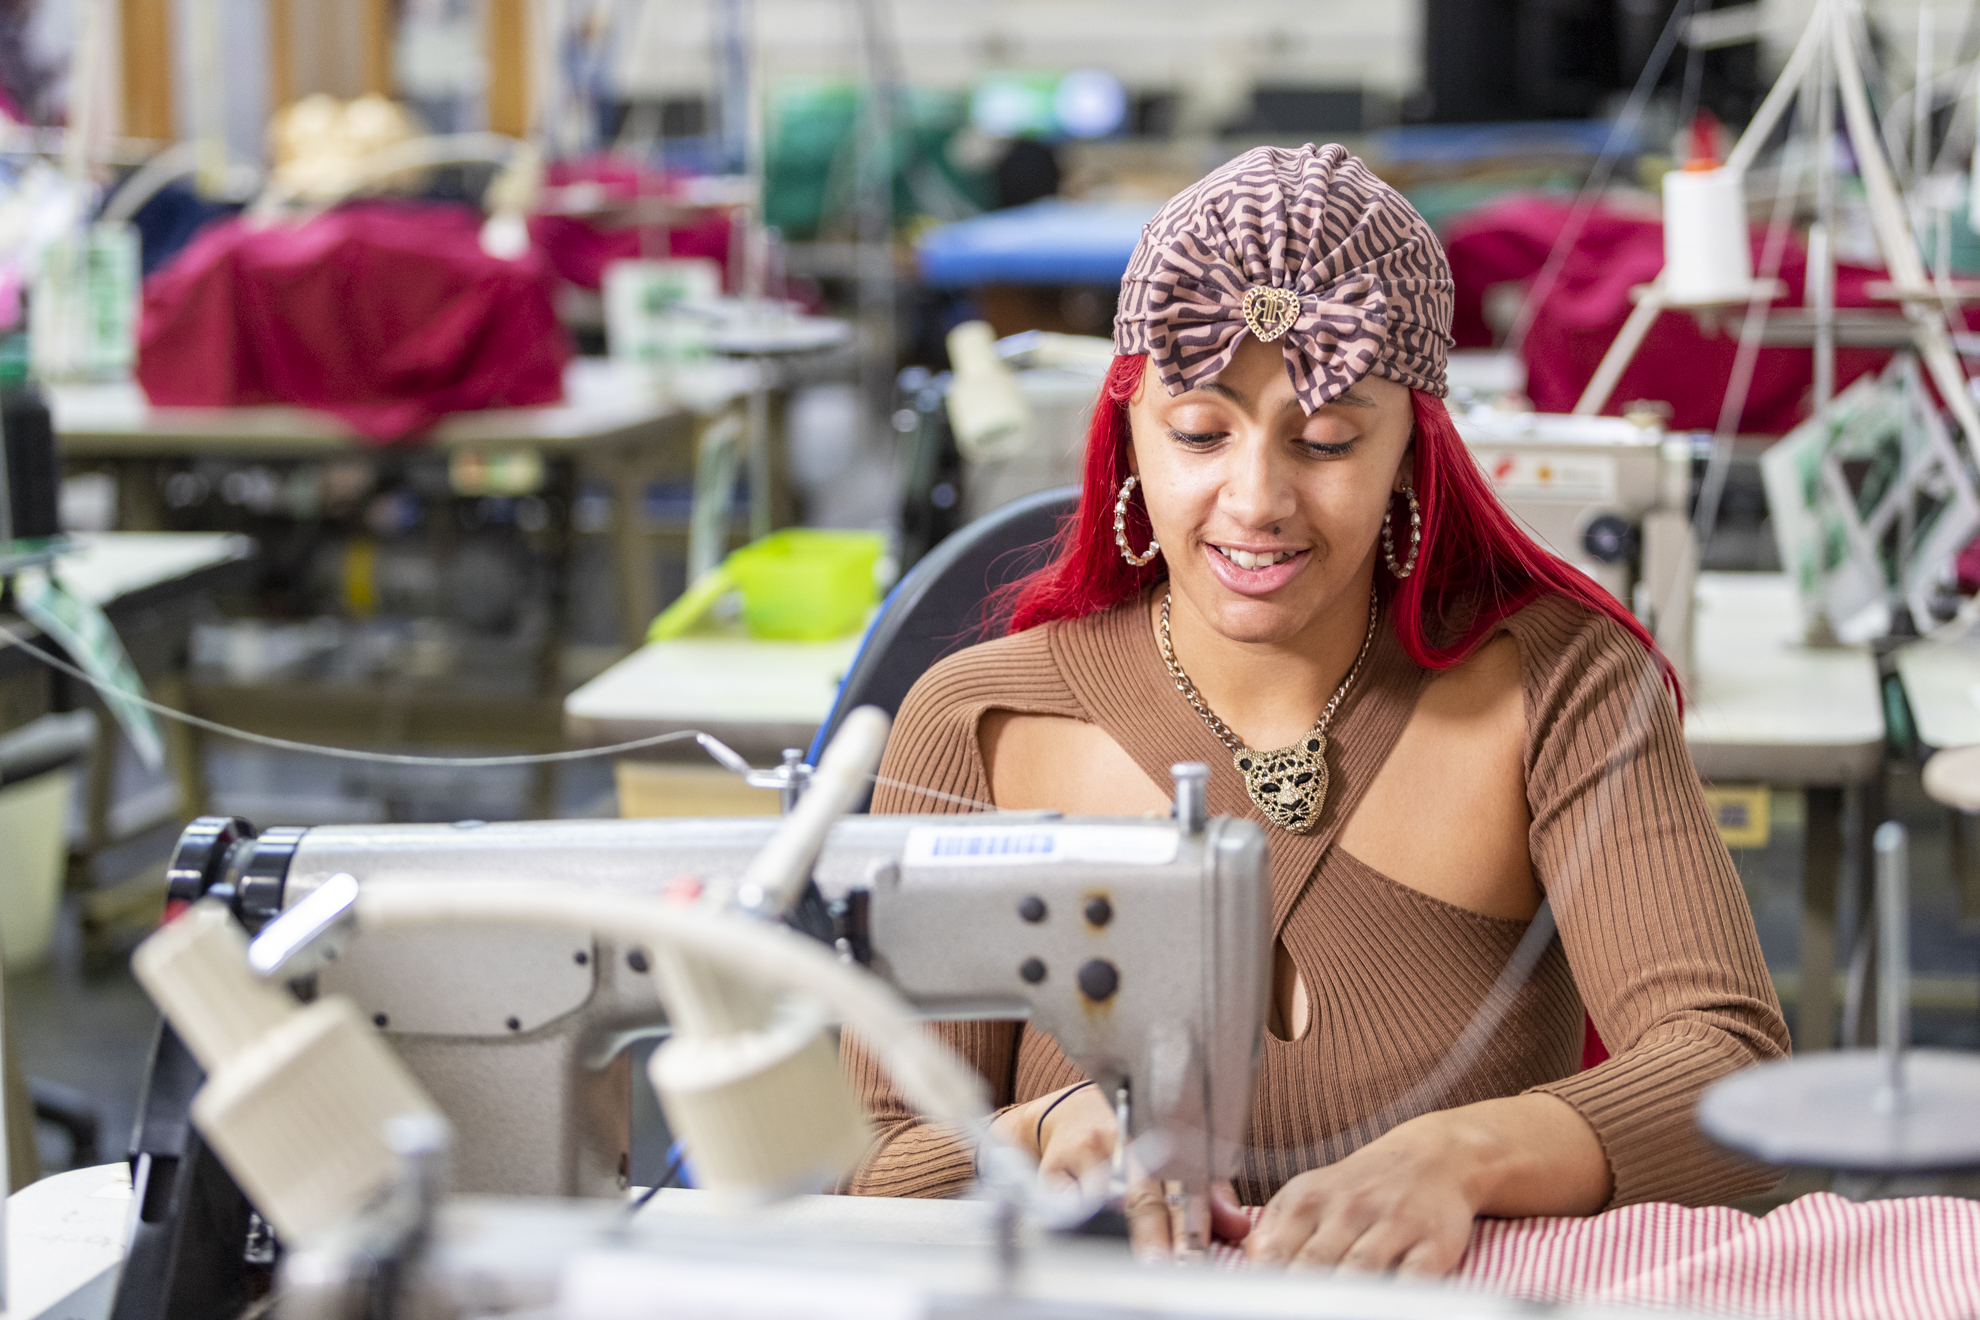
1304, 245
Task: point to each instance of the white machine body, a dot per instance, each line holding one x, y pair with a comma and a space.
1142, 946
1607, 494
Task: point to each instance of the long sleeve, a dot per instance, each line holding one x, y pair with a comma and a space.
934, 747
1655, 925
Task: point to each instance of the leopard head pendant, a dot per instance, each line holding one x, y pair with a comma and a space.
1290, 784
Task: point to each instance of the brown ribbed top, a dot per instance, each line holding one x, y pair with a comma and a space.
1656, 938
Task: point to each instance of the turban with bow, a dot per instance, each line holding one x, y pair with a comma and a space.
1305, 246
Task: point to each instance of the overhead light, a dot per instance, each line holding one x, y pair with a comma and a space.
1090, 103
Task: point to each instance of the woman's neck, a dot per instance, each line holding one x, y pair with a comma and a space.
1270, 692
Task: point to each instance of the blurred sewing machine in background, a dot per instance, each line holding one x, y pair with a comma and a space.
1611, 495
1010, 420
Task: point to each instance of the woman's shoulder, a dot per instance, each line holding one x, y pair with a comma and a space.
1562, 639
1585, 674
984, 667
934, 743
1017, 672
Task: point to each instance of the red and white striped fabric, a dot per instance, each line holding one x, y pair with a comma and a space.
1819, 1257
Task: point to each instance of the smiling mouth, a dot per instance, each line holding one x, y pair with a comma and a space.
1245, 559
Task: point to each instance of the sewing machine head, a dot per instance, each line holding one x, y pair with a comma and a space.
1140, 945
1608, 494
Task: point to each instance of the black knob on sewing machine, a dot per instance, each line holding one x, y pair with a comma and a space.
223, 857
1098, 979
1609, 538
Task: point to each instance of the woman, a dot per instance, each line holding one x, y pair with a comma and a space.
1286, 566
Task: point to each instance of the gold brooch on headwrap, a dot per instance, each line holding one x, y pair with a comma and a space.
1269, 312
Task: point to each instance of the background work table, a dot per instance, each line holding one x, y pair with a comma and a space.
1764, 706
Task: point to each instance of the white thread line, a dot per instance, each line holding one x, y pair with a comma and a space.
56, 662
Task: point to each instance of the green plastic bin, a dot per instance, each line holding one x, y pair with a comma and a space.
801, 585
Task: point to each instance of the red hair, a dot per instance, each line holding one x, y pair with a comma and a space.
1475, 564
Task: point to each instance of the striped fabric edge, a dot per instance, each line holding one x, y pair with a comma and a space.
1820, 1257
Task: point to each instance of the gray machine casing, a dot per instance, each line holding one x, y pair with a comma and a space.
1560, 473
519, 1035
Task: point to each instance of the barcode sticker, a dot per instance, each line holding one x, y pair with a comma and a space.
1019, 845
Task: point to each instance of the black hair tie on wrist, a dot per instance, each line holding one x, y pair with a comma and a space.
1038, 1138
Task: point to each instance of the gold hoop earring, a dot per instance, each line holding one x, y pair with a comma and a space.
1415, 536
1120, 527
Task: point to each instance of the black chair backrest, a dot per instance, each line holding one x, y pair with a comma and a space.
938, 607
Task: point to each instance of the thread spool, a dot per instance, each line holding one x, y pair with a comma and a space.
765, 1112
1707, 257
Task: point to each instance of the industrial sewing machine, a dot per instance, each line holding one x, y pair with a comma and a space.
1610, 495
1140, 945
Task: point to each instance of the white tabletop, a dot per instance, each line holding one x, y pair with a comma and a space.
601, 398
1942, 684
106, 565
1763, 704
756, 694
65, 1241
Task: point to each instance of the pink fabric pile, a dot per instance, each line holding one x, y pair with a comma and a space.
1680, 363
387, 314
579, 249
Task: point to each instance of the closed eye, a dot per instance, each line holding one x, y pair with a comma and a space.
1319, 450
1196, 437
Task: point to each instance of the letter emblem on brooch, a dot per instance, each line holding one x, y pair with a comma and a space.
1269, 312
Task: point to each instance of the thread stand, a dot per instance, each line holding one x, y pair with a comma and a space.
1891, 1110
1824, 64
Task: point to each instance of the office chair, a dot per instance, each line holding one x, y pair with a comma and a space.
938, 607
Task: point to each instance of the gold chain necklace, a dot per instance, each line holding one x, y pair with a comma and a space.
1290, 784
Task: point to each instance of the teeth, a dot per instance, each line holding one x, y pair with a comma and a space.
1246, 559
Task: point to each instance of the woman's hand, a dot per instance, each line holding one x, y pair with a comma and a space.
1405, 1201
1070, 1132
1401, 1203
1155, 1224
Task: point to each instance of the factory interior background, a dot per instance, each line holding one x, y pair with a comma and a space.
475, 336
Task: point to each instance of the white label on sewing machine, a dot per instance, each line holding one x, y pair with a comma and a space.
1017, 845
1516, 474
626, 1285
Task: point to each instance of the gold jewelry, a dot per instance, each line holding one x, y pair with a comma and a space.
1120, 527
1269, 311
1415, 537
1290, 784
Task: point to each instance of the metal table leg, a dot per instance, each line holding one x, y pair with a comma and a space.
632, 549
1821, 866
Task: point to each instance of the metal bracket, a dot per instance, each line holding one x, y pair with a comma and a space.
789, 779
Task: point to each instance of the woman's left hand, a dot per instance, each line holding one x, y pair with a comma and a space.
1399, 1203
1405, 1201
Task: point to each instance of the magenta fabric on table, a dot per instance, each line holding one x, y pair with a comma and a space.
1678, 363
579, 249
388, 315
